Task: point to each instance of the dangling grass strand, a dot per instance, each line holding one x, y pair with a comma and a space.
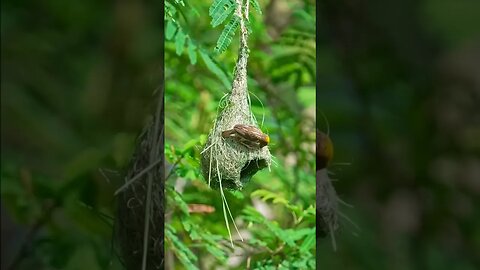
263, 108
223, 206
210, 170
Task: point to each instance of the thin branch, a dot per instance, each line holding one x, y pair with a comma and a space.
136, 177
173, 168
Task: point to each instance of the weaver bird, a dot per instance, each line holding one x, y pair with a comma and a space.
324, 150
248, 136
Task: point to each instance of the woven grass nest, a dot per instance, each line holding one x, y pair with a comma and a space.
225, 163
327, 205
327, 198
139, 223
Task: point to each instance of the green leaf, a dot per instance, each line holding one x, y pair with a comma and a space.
180, 42
177, 197
266, 195
171, 29
217, 252
216, 6
180, 2
220, 10
192, 52
276, 198
306, 95
183, 253
213, 67
257, 242
227, 34
308, 243
210, 241
190, 145
299, 234
190, 228
170, 10
252, 215
203, 139
256, 6
239, 195
308, 213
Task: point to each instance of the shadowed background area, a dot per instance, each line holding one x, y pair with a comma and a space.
400, 84
77, 80
77, 85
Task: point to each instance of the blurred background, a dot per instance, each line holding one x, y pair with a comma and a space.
77, 80
400, 84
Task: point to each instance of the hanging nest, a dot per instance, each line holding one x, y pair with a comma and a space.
139, 224
327, 205
327, 199
225, 163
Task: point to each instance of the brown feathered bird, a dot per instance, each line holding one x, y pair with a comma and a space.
324, 150
249, 136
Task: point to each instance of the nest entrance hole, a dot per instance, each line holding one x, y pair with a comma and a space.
250, 168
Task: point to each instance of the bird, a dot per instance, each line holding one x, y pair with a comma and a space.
324, 153
248, 136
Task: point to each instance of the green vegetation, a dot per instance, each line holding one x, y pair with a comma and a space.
397, 81
194, 93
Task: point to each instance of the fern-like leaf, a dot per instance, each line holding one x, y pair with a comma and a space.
308, 243
170, 10
256, 6
177, 200
170, 31
220, 10
192, 52
213, 67
184, 254
180, 42
227, 34
266, 195
206, 239
215, 5
180, 2
252, 215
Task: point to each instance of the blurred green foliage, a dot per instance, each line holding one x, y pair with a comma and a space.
76, 82
399, 86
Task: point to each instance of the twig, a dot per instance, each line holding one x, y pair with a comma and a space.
136, 177
173, 167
